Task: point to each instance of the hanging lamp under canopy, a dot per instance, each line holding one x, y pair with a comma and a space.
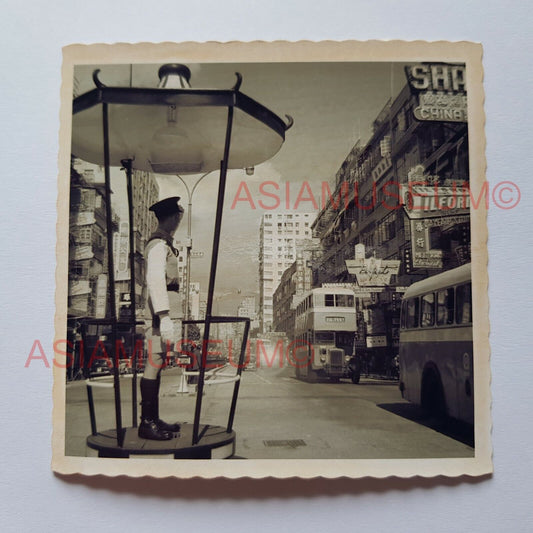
173, 129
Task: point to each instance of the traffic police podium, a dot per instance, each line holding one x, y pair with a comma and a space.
172, 129
211, 442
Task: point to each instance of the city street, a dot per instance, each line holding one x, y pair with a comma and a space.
279, 417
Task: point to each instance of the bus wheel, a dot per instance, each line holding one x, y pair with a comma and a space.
355, 377
433, 394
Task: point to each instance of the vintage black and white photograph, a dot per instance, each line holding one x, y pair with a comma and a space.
270, 254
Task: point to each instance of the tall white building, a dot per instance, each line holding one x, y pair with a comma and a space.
281, 235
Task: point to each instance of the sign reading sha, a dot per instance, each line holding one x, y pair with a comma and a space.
441, 89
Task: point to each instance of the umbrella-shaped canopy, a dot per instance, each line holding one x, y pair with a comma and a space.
174, 130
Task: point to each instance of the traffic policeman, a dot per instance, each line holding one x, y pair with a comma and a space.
162, 283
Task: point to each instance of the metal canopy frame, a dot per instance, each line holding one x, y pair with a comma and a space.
230, 99
182, 98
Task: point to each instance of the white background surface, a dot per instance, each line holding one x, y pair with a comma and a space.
32, 497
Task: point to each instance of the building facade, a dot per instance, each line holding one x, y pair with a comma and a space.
295, 281
281, 236
145, 192
404, 197
88, 261
247, 309
401, 153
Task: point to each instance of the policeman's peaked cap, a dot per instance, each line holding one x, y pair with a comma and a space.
167, 207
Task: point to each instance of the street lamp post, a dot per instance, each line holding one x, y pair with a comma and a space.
190, 193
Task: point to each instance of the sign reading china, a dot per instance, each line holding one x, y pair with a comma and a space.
441, 89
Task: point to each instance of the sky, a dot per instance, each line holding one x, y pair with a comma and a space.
333, 105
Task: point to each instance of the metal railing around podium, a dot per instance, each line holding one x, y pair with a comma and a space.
101, 336
202, 371
120, 430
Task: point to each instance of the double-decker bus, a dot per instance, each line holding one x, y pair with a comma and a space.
436, 348
325, 325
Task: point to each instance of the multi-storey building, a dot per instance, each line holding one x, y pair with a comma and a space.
295, 281
145, 192
402, 150
247, 309
88, 263
281, 236
406, 159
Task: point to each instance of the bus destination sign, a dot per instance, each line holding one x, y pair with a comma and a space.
335, 319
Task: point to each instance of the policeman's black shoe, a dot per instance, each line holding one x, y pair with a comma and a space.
164, 426
148, 429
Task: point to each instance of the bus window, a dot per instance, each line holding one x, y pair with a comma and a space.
310, 301
428, 310
445, 305
412, 313
463, 304
324, 337
343, 300
330, 300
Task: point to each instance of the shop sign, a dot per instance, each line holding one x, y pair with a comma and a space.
123, 251
376, 341
372, 272
83, 218
441, 91
83, 252
101, 296
423, 256
437, 201
78, 288
80, 303
361, 293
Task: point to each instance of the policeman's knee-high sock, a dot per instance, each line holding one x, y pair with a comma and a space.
156, 400
149, 391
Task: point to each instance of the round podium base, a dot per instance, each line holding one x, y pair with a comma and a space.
214, 443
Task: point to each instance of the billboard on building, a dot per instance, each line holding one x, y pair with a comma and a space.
101, 296
441, 91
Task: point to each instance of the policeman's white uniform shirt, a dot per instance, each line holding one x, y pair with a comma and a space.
161, 271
